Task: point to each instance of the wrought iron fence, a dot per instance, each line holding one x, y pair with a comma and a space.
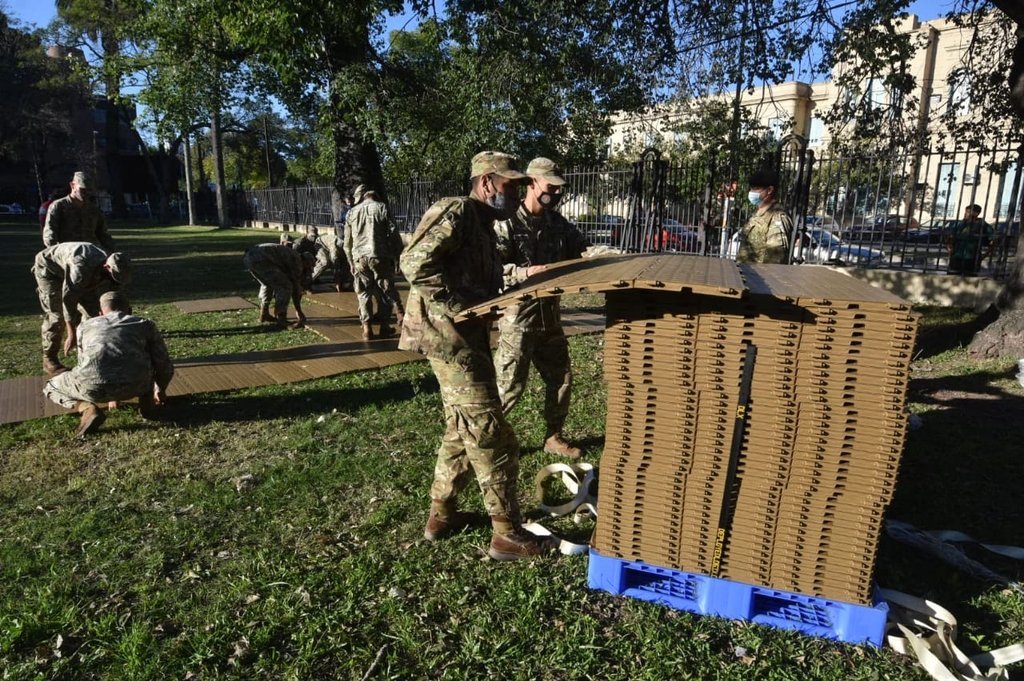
899, 210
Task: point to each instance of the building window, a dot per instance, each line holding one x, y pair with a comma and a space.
777, 127
817, 131
1006, 193
946, 186
876, 94
959, 100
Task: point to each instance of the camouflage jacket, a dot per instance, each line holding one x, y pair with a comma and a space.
369, 233
452, 264
278, 256
765, 238
526, 240
79, 268
67, 220
124, 349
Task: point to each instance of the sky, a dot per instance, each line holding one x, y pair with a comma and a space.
40, 12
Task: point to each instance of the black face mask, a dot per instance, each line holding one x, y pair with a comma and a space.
549, 200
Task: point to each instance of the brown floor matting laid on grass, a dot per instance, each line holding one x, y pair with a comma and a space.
213, 305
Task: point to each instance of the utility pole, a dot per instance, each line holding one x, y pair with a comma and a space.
266, 138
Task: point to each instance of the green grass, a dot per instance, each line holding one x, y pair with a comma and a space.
138, 552
170, 264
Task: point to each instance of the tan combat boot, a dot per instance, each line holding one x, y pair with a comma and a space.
52, 365
556, 444
265, 313
91, 420
444, 520
511, 542
367, 331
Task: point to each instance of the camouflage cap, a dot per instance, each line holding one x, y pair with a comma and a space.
81, 179
487, 162
545, 169
120, 267
357, 194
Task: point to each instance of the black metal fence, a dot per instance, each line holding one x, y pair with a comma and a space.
900, 210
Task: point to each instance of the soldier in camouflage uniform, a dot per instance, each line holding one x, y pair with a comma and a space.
372, 247
68, 275
120, 357
316, 245
281, 272
74, 218
532, 331
452, 263
765, 237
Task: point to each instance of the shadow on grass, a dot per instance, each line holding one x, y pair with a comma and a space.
196, 410
943, 337
962, 470
214, 333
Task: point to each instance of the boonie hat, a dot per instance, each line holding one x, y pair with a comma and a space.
81, 179
545, 169
120, 267
487, 162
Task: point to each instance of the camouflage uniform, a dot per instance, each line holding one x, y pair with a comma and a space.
120, 356
278, 269
68, 275
452, 263
317, 246
532, 331
68, 220
372, 246
765, 238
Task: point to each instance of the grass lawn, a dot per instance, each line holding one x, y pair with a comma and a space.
143, 552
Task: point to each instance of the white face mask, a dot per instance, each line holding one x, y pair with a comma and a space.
754, 197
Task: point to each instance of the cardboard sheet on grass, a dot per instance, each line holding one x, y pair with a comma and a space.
213, 305
331, 315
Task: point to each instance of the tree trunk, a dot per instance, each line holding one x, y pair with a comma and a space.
356, 161
188, 179
218, 167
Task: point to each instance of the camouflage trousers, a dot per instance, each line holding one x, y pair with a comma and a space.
274, 284
324, 260
477, 438
548, 350
66, 390
50, 288
375, 280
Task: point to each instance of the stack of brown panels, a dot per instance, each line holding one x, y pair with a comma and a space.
821, 435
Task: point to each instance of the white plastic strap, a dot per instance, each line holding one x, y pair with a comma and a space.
577, 478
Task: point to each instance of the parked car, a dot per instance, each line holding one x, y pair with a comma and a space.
11, 209
823, 247
931, 232
679, 238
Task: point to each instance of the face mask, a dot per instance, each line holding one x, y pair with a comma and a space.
549, 200
754, 198
503, 206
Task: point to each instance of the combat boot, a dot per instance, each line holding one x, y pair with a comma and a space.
519, 544
147, 409
367, 331
265, 313
386, 331
52, 365
556, 444
91, 420
281, 319
444, 520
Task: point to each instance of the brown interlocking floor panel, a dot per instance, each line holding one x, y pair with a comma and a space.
331, 315
213, 305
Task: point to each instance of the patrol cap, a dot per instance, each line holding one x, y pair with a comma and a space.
763, 177
487, 162
81, 179
360, 190
115, 300
120, 267
545, 169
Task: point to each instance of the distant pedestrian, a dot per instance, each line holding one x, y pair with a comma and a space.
531, 332
70, 275
120, 357
372, 248
44, 207
280, 271
765, 238
969, 242
76, 218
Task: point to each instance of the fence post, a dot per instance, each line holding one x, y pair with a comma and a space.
295, 206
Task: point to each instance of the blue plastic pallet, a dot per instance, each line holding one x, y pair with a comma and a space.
706, 595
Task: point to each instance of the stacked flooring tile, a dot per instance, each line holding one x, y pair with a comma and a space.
814, 438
